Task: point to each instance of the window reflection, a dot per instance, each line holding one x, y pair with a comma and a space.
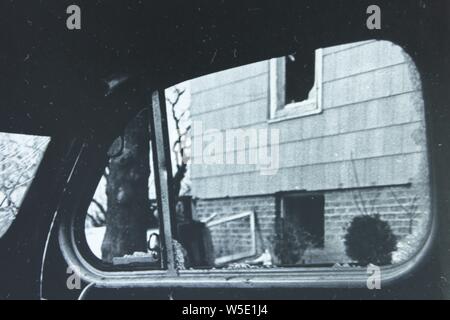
20, 156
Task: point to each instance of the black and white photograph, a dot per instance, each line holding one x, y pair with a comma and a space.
232, 151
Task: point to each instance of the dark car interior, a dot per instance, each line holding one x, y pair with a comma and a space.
81, 88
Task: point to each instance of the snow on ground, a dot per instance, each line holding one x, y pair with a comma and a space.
406, 248
94, 238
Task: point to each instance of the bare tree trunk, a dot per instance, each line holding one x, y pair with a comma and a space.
127, 193
177, 179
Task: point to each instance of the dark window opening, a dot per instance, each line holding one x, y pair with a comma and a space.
300, 74
306, 214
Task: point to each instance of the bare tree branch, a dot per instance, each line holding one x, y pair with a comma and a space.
410, 211
99, 206
178, 147
95, 218
355, 173
374, 201
178, 94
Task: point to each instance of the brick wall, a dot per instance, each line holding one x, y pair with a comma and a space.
393, 204
262, 206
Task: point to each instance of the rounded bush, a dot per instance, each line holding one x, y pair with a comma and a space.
370, 240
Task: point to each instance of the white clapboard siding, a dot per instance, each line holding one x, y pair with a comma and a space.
372, 113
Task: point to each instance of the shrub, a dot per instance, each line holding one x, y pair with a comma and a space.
370, 240
290, 243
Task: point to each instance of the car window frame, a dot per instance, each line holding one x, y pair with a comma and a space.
295, 277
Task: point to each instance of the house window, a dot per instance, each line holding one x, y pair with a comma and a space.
295, 86
299, 77
305, 214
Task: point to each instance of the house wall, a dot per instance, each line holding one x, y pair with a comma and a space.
262, 206
372, 109
369, 136
403, 207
